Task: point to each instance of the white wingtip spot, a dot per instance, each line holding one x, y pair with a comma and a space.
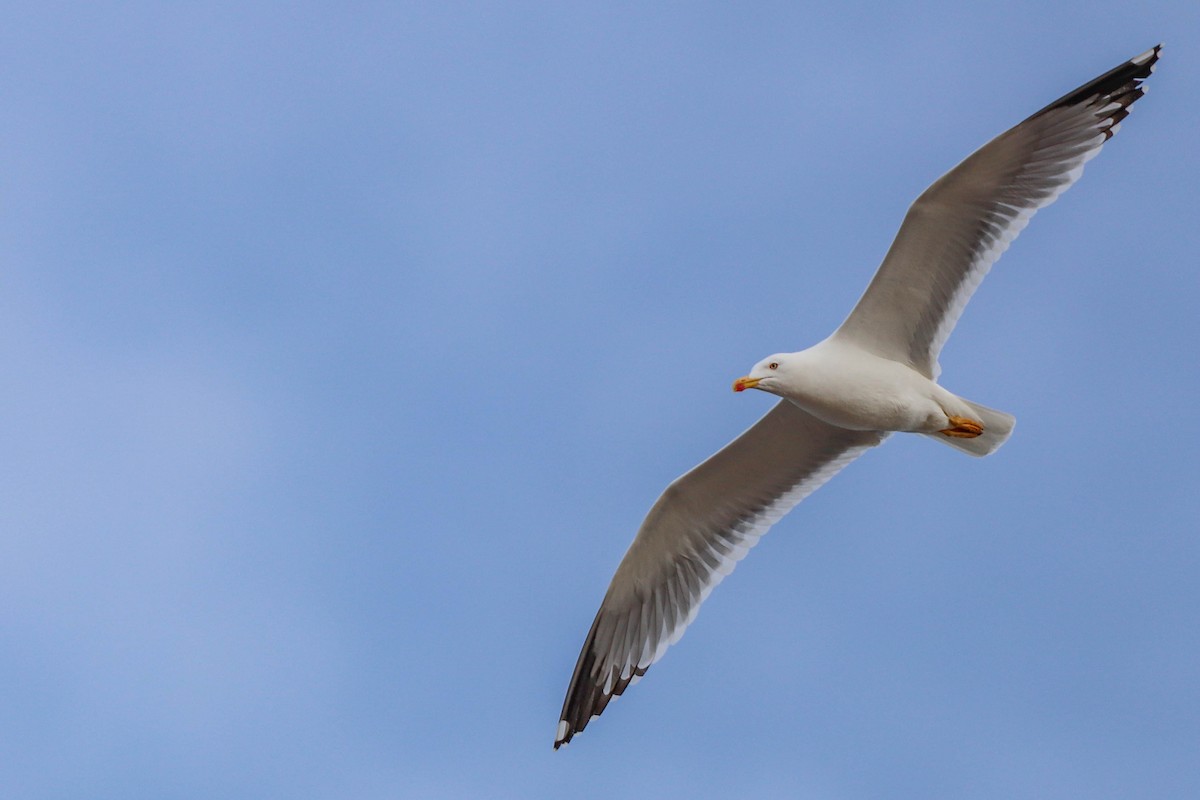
561, 733
1146, 56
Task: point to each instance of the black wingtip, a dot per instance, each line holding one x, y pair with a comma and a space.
1121, 85
584, 698
590, 693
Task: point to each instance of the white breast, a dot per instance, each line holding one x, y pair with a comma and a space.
845, 386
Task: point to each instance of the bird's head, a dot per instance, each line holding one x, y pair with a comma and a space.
767, 374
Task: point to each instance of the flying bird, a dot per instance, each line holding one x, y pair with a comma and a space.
876, 374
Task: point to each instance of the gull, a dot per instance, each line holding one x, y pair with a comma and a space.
875, 375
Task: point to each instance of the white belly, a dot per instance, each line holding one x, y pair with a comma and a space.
850, 388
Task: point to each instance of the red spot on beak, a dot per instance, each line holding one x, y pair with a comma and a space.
742, 384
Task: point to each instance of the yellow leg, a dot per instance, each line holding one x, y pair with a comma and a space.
963, 428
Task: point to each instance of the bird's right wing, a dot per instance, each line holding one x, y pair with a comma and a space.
693, 537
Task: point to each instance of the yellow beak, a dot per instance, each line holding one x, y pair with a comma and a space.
742, 384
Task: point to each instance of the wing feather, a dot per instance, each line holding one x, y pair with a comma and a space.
961, 225
701, 526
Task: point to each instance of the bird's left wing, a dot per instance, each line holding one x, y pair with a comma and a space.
960, 225
693, 537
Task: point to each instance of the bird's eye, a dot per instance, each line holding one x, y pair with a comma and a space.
773, 365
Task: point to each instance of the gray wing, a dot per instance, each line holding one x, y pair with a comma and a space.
694, 535
961, 224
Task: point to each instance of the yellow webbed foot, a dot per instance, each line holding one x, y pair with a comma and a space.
963, 428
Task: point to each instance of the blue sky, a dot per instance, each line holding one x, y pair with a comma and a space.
345, 347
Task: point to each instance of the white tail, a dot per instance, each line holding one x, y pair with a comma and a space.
997, 427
